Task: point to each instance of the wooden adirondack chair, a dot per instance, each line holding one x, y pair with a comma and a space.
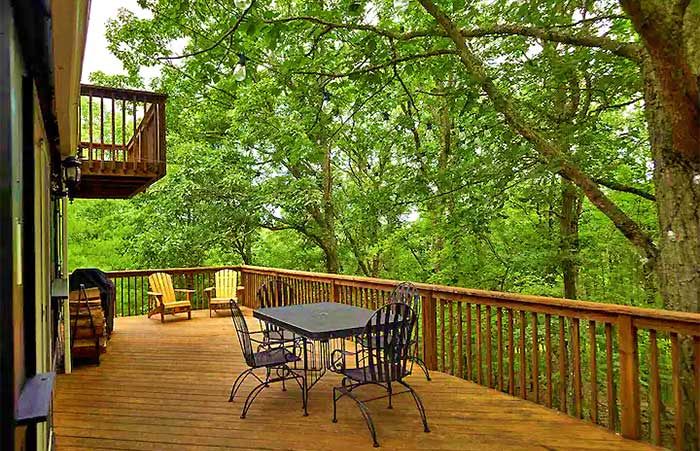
161, 297
225, 288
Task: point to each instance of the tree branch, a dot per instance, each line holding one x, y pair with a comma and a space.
627, 50
217, 43
625, 188
630, 50
377, 67
504, 104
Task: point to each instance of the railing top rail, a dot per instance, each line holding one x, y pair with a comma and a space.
692, 319
122, 94
647, 317
146, 272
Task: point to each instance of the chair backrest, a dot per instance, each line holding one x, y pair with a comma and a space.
388, 339
275, 293
243, 334
407, 293
226, 282
162, 283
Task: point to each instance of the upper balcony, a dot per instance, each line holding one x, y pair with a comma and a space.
121, 141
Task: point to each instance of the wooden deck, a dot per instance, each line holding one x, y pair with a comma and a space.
166, 386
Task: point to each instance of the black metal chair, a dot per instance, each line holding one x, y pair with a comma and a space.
382, 360
270, 358
276, 293
407, 293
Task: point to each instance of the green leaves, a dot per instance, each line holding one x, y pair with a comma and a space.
426, 181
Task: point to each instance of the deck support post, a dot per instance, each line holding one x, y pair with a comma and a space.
430, 331
629, 378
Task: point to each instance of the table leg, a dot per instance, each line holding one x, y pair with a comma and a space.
305, 390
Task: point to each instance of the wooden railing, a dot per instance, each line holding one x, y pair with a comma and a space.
581, 358
131, 297
121, 131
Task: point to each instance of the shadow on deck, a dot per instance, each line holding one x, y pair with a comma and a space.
166, 386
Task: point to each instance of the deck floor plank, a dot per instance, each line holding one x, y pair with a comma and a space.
165, 387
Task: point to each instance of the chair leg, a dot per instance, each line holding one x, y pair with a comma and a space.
419, 404
254, 393
363, 410
162, 317
422, 366
251, 397
189, 314
335, 400
388, 388
238, 383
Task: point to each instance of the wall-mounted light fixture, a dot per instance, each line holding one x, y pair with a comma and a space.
65, 182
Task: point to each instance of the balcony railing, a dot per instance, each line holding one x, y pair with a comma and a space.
122, 141
578, 357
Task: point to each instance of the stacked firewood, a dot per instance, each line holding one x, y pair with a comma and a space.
87, 324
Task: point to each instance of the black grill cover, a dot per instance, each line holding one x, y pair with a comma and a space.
93, 277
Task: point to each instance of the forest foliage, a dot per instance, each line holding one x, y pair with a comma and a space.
347, 150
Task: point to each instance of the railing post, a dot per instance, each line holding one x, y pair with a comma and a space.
430, 331
629, 378
332, 293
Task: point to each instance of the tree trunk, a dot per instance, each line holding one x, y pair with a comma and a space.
677, 183
330, 247
440, 208
569, 244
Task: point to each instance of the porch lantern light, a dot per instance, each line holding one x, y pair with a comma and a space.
71, 174
239, 71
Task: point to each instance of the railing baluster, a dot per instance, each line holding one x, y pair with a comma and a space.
470, 372
677, 393
654, 389
442, 335
610, 376
121, 289
430, 331
124, 151
489, 351
511, 354
523, 364
460, 340
593, 371
478, 344
548, 356
576, 354
452, 338
90, 129
535, 360
563, 372
102, 128
499, 345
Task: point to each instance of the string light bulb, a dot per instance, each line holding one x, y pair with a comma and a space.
239, 72
326, 99
400, 5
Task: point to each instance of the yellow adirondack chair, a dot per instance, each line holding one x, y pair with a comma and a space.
161, 297
225, 288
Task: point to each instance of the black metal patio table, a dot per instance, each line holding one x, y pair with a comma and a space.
317, 323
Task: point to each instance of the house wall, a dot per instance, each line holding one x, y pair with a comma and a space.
43, 263
26, 261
